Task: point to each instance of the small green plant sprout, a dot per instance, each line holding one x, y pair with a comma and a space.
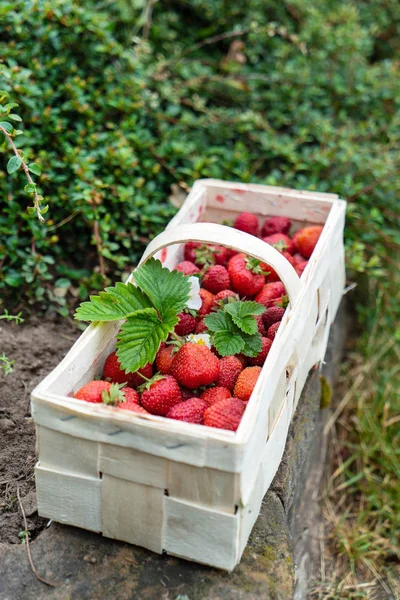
6, 365
149, 308
25, 533
234, 329
16, 318
17, 161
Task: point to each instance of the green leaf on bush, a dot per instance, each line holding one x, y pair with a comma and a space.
14, 117
243, 313
30, 188
13, 164
113, 304
165, 288
35, 169
7, 126
141, 335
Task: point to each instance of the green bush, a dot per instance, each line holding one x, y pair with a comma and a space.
292, 94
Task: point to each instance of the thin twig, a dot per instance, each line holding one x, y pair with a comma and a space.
64, 221
38, 577
28, 176
147, 15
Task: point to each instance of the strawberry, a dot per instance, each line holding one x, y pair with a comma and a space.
195, 365
221, 254
92, 391
187, 268
215, 394
270, 292
260, 325
112, 371
216, 279
272, 274
201, 327
229, 369
265, 348
189, 251
190, 411
243, 359
161, 394
164, 358
221, 297
276, 225
272, 330
246, 275
188, 394
272, 315
306, 239
297, 257
300, 267
281, 242
187, 324
246, 382
225, 414
125, 398
207, 299
133, 407
247, 222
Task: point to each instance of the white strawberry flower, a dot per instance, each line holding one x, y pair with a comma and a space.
199, 338
194, 301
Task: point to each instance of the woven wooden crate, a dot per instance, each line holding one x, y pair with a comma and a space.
190, 490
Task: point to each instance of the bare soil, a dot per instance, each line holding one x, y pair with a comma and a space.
36, 347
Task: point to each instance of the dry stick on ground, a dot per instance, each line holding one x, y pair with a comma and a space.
28, 547
28, 175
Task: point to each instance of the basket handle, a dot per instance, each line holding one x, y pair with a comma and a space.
213, 233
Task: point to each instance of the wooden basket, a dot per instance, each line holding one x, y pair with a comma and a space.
190, 490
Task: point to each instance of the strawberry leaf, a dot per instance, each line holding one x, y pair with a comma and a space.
252, 344
166, 289
113, 304
228, 343
242, 314
141, 335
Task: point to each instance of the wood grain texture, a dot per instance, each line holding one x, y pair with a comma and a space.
139, 467
67, 453
132, 512
69, 498
204, 535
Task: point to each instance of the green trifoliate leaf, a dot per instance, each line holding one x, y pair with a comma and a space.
243, 313
141, 335
227, 343
219, 321
113, 304
166, 289
13, 164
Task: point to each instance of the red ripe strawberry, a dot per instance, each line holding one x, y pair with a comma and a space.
229, 369
161, 395
133, 407
225, 414
215, 394
216, 279
112, 371
92, 391
307, 238
281, 242
187, 268
190, 411
246, 275
201, 327
300, 267
189, 251
260, 325
125, 398
221, 254
297, 257
207, 299
221, 296
187, 324
272, 315
273, 275
246, 383
195, 365
260, 358
243, 359
247, 222
164, 358
130, 396
273, 329
276, 225
270, 293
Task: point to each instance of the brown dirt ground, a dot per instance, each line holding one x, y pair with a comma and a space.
36, 347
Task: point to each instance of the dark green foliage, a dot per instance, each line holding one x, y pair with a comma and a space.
308, 97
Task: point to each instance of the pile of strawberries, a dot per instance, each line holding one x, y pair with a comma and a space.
189, 381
